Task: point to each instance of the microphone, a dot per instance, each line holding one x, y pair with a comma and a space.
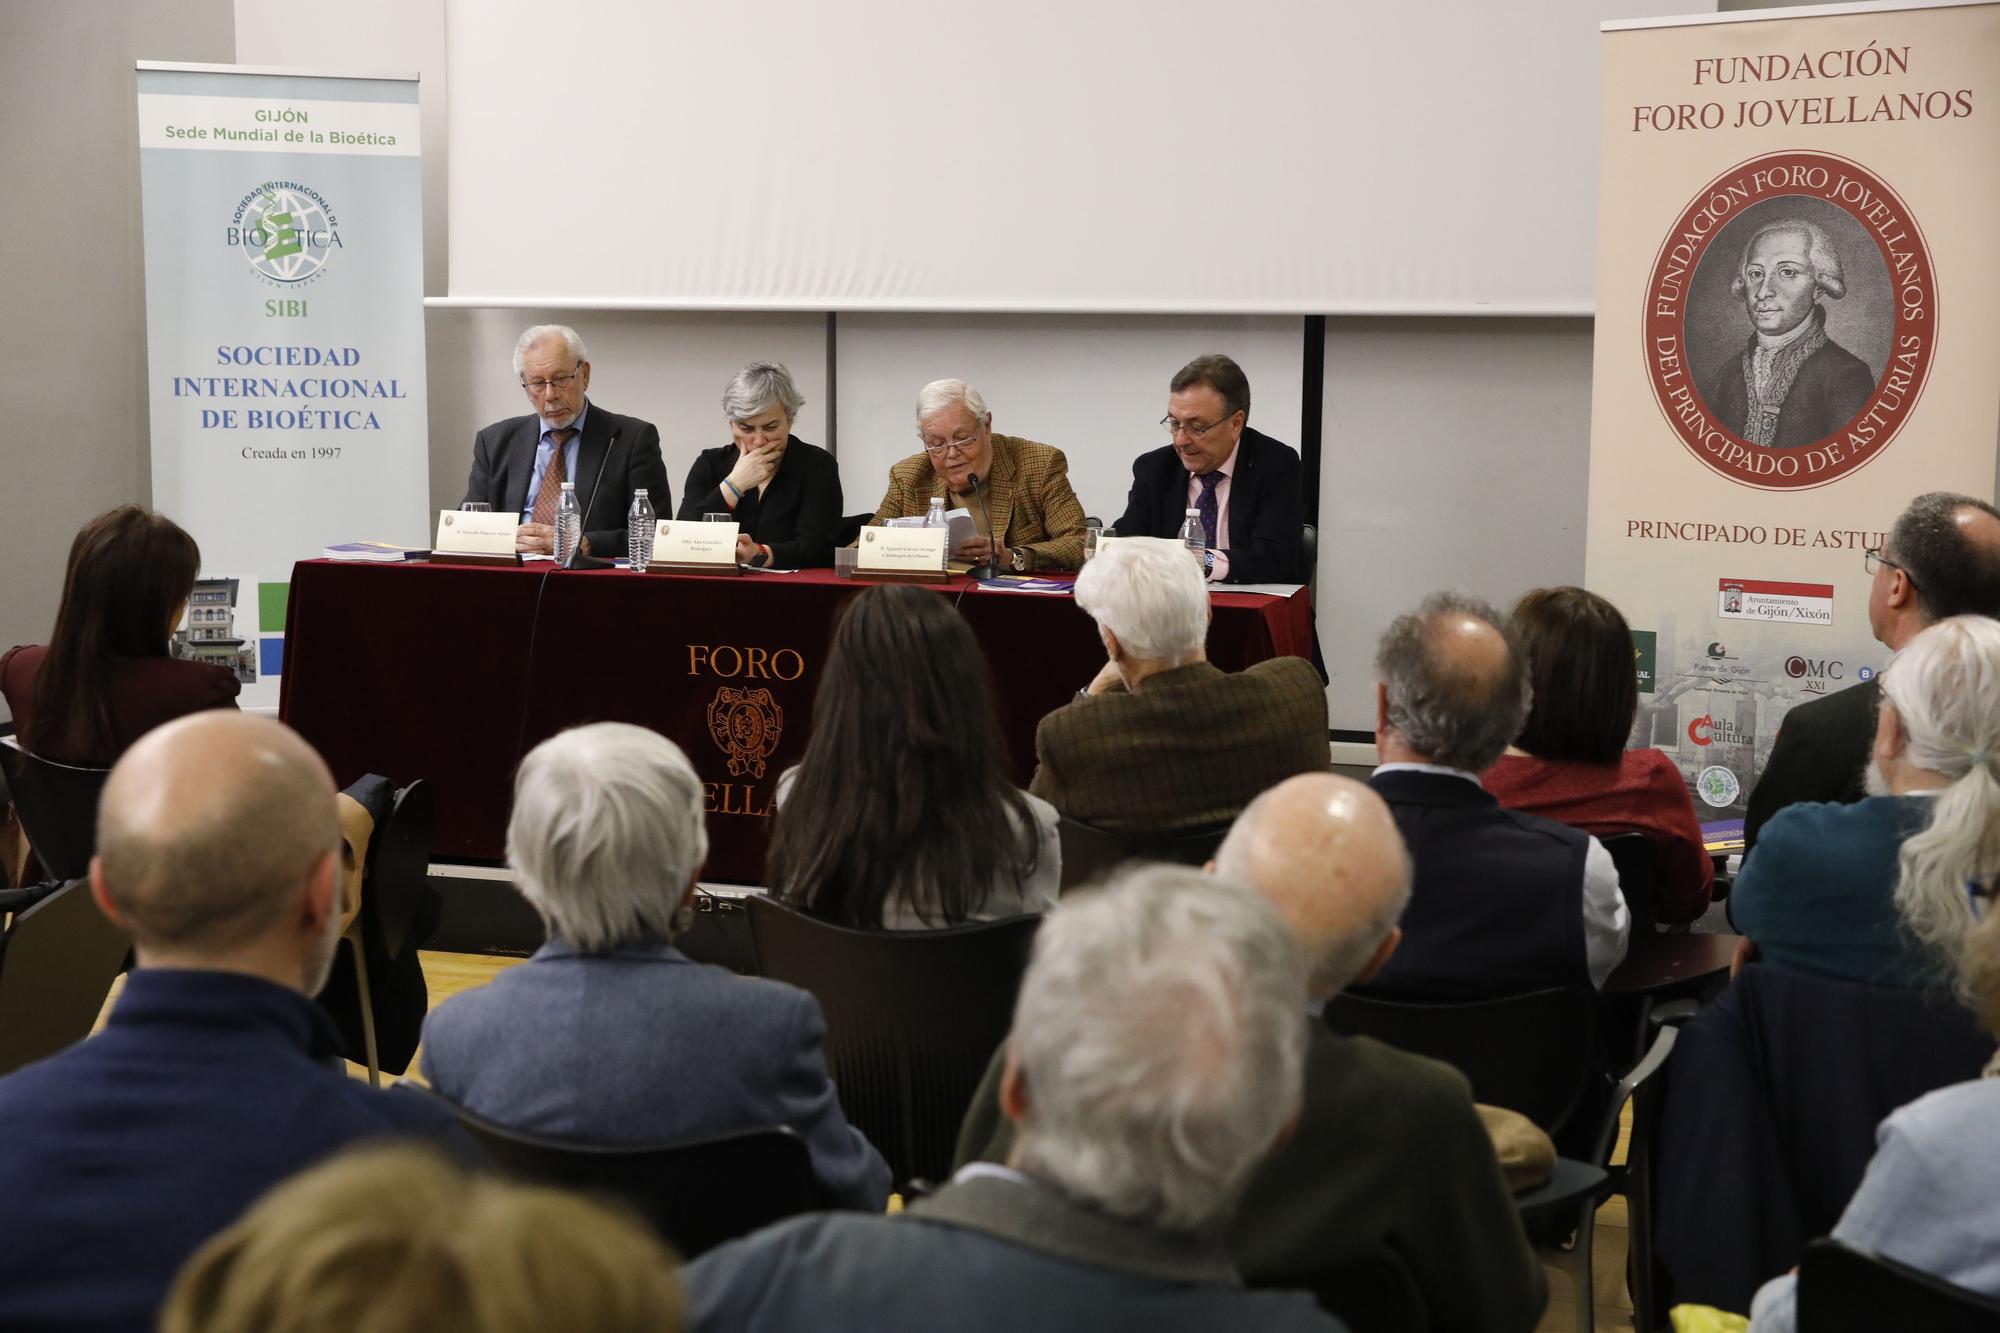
584, 511
990, 569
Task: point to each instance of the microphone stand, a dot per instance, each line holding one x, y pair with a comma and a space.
577, 559
990, 568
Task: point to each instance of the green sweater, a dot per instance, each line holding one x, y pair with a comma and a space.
1388, 1152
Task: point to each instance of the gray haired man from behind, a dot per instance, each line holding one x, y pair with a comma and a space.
1156, 1060
1504, 902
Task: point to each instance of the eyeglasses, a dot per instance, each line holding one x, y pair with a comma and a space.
556, 382
960, 446
1979, 897
1193, 430
1872, 560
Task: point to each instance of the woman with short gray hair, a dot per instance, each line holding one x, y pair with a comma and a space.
783, 494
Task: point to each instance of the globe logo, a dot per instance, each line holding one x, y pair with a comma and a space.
286, 231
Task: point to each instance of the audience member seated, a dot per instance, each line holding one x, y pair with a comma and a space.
1927, 1198
1024, 493
899, 817
1570, 763
218, 849
609, 1034
1156, 1058
1162, 741
1504, 902
1942, 559
397, 1240
1388, 1150
783, 493
1876, 891
106, 677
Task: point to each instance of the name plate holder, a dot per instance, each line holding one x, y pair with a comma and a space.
901, 555
475, 538
700, 547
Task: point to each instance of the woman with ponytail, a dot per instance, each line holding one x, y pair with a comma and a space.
1881, 891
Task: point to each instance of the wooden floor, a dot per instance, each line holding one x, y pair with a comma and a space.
449, 973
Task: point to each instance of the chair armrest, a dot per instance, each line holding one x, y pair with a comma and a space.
1649, 1064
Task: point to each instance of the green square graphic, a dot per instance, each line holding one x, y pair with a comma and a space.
271, 601
1645, 650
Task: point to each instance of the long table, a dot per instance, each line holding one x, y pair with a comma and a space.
453, 673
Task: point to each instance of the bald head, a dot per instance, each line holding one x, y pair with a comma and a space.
210, 829
1327, 854
1454, 682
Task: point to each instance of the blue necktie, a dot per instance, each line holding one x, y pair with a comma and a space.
1206, 505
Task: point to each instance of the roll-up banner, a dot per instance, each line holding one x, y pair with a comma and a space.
1798, 324
284, 333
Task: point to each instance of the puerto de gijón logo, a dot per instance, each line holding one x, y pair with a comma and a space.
285, 231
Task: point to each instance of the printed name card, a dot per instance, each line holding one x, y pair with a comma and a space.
476, 534
700, 544
901, 553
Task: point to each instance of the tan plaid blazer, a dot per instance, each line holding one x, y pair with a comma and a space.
1028, 495
1186, 750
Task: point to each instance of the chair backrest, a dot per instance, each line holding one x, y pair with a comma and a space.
399, 858
912, 1018
1847, 1290
57, 962
1089, 852
1532, 1053
1638, 860
850, 527
1309, 556
696, 1194
57, 805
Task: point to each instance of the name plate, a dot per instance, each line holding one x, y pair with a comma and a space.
696, 547
470, 538
909, 554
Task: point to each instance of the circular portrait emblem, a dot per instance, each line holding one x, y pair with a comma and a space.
1790, 320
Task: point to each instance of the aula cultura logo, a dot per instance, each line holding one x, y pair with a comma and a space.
286, 231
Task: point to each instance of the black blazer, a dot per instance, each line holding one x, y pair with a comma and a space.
616, 456
1266, 506
796, 513
1821, 753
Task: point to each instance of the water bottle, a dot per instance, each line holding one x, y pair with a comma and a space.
1194, 538
569, 525
936, 519
639, 531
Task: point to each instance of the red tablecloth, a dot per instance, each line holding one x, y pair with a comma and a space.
451, 673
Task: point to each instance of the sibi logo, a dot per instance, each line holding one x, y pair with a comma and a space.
285, 231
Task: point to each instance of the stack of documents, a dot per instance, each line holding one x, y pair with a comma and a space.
379, 551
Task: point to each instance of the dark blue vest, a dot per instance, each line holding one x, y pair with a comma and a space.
1498, 904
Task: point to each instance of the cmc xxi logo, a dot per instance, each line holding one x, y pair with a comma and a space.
1790, 320
1814, 672
286, 231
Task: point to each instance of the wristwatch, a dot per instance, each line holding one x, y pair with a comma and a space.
1020, 559
1208, 561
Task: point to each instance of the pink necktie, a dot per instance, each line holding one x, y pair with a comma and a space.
550, 495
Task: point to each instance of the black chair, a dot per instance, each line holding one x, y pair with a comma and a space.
58, 959
1843, 1289
849, 531
399, 859
57, 805
720, 934
1637, 858
1089, 852
697, 1193
1309, 557
912, 1017
1540, 1054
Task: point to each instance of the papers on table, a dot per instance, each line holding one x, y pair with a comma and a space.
1719, 836
960, 530
375, 551
1272, 589
1023, 583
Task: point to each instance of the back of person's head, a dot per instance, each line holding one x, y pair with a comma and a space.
1151, 594
607, 834
900, 796
400, 1240
129, 573
1582, 677
1949, 546
211, 832
1945, 688
1455, 684
1325, 851
1159, 1042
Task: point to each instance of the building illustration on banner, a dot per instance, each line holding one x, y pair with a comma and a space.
210, 635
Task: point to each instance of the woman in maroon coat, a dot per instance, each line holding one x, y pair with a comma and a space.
1570, 763
105, 678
